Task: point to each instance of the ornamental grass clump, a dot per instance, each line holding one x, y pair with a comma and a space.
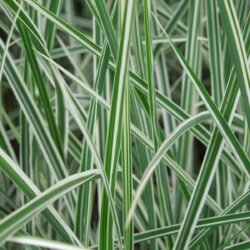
124, 124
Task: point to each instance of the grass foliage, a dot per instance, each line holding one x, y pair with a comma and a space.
124, 124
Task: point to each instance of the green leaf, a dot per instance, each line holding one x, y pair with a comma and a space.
16, 220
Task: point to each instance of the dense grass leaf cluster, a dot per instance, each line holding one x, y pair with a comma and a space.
124, 124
